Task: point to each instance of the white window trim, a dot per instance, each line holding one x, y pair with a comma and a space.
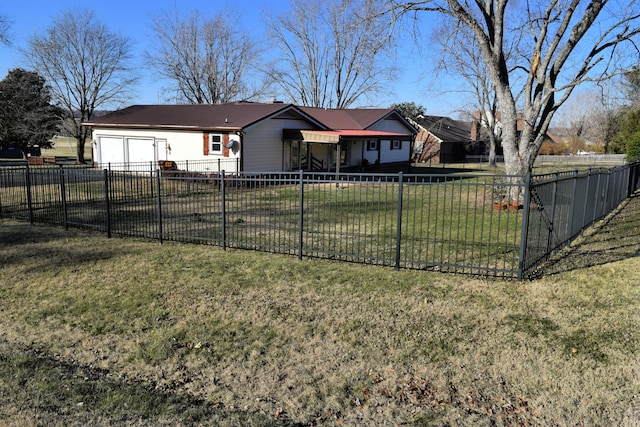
372, 145
396, 144
219, 143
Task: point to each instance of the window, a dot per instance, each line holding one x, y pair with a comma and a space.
396, 145
372, 145
215, 144
418, 146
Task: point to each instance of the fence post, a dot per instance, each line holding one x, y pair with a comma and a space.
586, 202
159, 208
105, 174
223, 209
29, 196
553, 213
596, 202
524, 230
399, 222
63, 198
301, 216
573, 202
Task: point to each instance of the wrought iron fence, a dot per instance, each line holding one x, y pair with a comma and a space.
452, 223
177, 166
564, 204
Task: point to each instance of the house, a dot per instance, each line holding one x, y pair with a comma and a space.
444, 140
261, 137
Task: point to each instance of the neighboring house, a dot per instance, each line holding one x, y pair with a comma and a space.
443, 140
254, 137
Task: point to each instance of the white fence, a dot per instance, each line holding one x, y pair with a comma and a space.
587, 160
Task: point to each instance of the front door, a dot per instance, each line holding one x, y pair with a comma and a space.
298, 156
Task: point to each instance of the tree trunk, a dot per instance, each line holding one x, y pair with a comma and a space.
492, 150
80, 149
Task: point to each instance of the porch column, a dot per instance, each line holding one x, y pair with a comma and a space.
338, 158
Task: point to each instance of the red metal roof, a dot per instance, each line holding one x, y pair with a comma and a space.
335, 136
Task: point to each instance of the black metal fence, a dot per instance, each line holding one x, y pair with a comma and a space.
451, 223
564, 204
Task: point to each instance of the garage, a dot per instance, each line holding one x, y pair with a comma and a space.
120, 151
110, 150
141, 150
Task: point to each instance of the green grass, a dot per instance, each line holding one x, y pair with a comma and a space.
65, 148
122, 331
448, 223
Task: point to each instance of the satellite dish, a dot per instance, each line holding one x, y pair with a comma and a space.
230, 144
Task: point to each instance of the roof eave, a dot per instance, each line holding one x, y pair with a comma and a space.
162, 127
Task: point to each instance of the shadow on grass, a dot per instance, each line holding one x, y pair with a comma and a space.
33, 384
615, 239
27, 245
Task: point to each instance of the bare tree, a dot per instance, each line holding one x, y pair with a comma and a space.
331, 52
459, 57
86, 66
567, 43
207, 61
4, 30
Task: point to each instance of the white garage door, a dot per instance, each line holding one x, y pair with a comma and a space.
141, 150
111, 150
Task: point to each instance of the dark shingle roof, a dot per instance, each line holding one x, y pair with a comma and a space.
219, 116
446, 129
237, 116
348, 119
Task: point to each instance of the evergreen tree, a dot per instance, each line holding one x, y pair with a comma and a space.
27, 117
633, 147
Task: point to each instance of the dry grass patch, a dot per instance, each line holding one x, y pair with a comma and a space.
149, 334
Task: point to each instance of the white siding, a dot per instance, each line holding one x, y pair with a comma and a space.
387, 155
391, 125
263, 146
151, 145
175, 145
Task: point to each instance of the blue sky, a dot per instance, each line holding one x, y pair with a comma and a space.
132, 19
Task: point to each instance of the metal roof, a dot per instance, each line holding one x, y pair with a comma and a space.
230, 116
241, 115
356, 118
336, 136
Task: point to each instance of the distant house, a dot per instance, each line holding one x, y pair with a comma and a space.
255, 136
444, 140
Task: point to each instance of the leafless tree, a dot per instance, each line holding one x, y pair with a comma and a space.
87, 66
459, 56
4, 30
567, 43
208, 60
332, 52
593, 115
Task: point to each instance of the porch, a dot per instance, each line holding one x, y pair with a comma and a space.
347, 150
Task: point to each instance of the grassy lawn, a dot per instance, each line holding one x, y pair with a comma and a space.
64, 149
129, 332
449, 223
